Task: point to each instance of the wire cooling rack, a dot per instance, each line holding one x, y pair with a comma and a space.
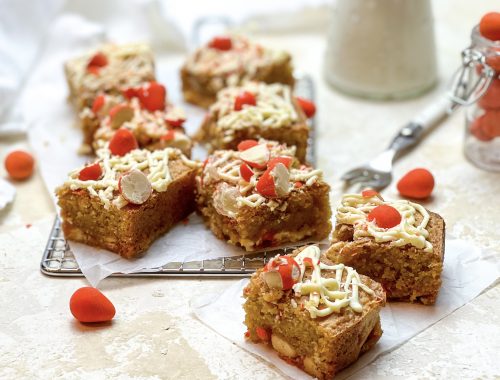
58, 259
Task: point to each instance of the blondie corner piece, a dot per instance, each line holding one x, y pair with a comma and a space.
123, 203
252, 111
262, 197
318, 316
108, 70
230, 61
399, 244
145, 111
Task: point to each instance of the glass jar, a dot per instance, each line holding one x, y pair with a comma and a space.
482, 132
381, 49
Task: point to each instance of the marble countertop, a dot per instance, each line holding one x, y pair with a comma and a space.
154, 335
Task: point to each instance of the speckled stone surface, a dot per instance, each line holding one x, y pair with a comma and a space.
154, 335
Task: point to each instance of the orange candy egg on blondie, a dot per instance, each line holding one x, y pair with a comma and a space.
281, 272
384, 216
91, 172
122, 142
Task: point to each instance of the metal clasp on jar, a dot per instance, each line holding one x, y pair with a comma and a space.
472, 79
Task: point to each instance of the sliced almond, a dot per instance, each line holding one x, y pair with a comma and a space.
282, 346
281, 177
257, 156
181, 141
310, 367
135, 187
273, 279
120, 114
281, 272
225, 200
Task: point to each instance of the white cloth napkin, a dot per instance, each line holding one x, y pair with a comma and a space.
23, 28
467, 272
7, 193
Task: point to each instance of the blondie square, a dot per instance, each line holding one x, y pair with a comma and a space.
318, 316
123, 203
108, 70
230, 61
252, 111
399, 244
144, 110
260, 196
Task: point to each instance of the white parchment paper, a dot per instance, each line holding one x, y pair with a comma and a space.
467, 272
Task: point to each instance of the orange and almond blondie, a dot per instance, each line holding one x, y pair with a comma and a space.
230, 61
399, 244
317, 315
123, 202
255, 110
108, 70
260, 196
145, 111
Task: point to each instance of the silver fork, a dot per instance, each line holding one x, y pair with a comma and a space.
377, 173
465, 89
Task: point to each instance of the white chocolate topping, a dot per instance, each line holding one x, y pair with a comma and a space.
146, 125
153, 164
232, 67
354, 209
224, 166
328, 295
128, 65
274, 108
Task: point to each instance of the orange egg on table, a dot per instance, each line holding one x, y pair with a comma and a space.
19, 164
417, 183
89, 305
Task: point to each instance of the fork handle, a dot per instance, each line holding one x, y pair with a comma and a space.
411, 134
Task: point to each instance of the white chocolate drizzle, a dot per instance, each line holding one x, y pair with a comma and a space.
354, 209
153, 164
328, 295
274, 108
